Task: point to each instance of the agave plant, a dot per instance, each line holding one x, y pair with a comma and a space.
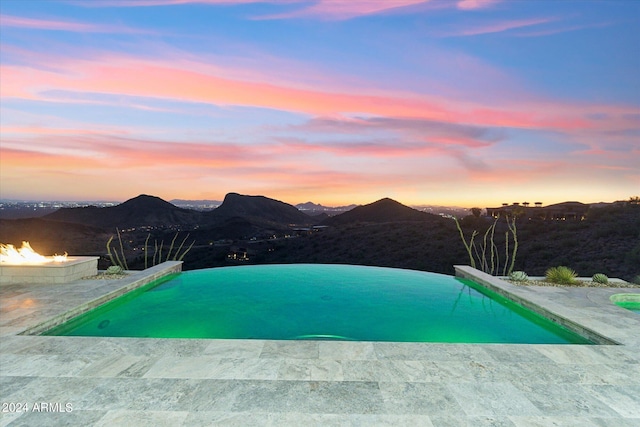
600, 278
519, 276
561, 275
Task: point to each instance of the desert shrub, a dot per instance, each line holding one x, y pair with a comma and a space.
114, 269
600, 278
518, 276
561, 275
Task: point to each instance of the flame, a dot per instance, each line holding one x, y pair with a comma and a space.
26, 255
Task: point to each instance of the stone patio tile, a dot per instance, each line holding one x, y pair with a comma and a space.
271, 396
346, 350
247, 369
492, 399
347, 397
234, 348
211, 395
545, 421
51, 389
57, 419
455, 420
573, 354
431, 352
625, 400
43, 365
7, 418
295, 370
117, 366
184, 367
565, 400
516, 353
291, 349
139, 394
142, 418
419, 398
9, 385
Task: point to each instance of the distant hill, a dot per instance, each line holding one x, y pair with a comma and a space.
384, 210
48, 237
258, 209
200, 204
314, 209
139, 211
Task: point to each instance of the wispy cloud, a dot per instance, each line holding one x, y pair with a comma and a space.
116, 74
69, 26
340, 10
475, 4
561, 29
498, 27
143, 3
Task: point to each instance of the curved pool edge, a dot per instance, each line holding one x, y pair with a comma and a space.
134, 280
589, 314
628, 301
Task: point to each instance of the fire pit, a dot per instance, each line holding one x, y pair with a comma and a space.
24, 265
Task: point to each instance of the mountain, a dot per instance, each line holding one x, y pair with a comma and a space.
384, 210
139, 211
200, 204
50, 237
258, 209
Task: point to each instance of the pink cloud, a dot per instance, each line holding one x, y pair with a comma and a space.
77, 27
121, 75
499, 27
475, 4
332, 9
142, 3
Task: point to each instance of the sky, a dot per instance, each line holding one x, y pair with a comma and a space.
448, 102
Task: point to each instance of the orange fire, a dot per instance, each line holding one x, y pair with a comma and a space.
9, 254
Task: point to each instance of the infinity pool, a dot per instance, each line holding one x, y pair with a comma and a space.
316, 301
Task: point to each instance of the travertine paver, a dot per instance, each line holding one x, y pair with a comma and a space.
157, 382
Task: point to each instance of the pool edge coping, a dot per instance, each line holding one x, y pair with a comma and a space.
566, 317
141, 278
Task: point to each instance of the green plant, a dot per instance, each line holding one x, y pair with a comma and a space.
485, 257
600, 278
519, 276
114, 257
114, 269
157, 253
469, 245
561, 275
119, 260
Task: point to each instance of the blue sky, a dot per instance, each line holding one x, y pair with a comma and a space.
465, 102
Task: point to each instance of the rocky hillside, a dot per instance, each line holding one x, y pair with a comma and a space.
384, 210
143, 210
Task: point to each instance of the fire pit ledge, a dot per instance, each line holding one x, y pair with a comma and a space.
74, 268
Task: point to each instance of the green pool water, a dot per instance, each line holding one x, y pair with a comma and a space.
633, 306
629, 301
315, 301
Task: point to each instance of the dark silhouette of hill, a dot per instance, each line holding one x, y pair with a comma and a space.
257, 210
139, 211
48, 237
384, 210
384, 233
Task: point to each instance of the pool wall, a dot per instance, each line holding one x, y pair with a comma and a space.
140, 278
517, 295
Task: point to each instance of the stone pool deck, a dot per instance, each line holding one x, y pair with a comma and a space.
173, 382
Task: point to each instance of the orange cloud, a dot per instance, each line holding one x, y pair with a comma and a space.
120, 75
